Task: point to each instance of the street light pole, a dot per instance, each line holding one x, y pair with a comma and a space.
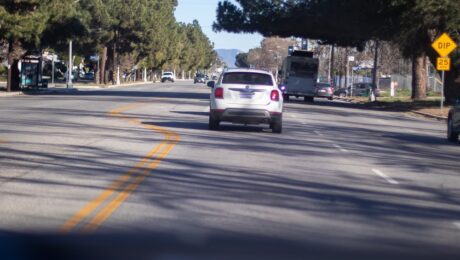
346, 75
70, 68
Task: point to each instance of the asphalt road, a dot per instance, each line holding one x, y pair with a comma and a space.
134, 172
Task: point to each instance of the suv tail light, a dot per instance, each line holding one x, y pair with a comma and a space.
275, 95
219, 93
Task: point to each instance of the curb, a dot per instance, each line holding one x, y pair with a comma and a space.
441, 118
11, 94
345, 99
54, 90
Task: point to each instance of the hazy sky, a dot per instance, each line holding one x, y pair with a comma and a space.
205, 12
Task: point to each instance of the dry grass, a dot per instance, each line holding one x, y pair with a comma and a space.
404, 104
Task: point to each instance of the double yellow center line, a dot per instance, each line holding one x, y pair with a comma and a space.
125, 185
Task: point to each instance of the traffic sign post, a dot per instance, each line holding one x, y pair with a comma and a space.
444, 45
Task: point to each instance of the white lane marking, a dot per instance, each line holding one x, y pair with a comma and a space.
383, 175
340, 148
293, 115
318, 133
206, 109
381, 121
457, 224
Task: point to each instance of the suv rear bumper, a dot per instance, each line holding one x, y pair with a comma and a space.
246, 116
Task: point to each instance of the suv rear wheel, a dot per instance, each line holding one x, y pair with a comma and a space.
213, 124
277, 127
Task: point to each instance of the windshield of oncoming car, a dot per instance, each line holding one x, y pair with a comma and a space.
247, 78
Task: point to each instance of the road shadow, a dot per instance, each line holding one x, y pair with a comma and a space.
224, 127
127, 93
275, 201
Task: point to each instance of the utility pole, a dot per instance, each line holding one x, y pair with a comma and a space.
331, 64
375, 80
375, 73
118, 75
70, 68
52, 70
350, 59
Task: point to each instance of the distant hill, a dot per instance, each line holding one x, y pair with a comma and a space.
228, 56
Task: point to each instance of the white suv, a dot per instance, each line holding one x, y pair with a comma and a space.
247, 97
168, 76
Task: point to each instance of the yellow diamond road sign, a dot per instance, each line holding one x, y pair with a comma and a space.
444, 45
443, 64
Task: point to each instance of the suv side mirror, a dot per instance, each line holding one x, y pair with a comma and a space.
211, 84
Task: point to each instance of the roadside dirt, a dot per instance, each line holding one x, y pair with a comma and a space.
427, 108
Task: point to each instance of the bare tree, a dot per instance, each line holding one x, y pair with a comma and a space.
271, 53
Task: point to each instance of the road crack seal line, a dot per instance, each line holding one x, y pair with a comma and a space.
171, 139
340, 148
457, 224
384, 176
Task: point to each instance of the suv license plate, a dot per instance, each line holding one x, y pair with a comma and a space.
246, 96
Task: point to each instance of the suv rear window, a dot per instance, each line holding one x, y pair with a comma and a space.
247, 78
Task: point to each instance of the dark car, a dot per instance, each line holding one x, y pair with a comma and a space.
342, 92
89, 76
359, 90
363, 89
200, 78
324, 90
453, 122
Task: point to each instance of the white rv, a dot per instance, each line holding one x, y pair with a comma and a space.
299, 75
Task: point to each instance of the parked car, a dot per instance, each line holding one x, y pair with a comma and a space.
363, 89
342, 92
246, 97
325, 90
168, 76
453, 122
359, 90
200, 78
88, 76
